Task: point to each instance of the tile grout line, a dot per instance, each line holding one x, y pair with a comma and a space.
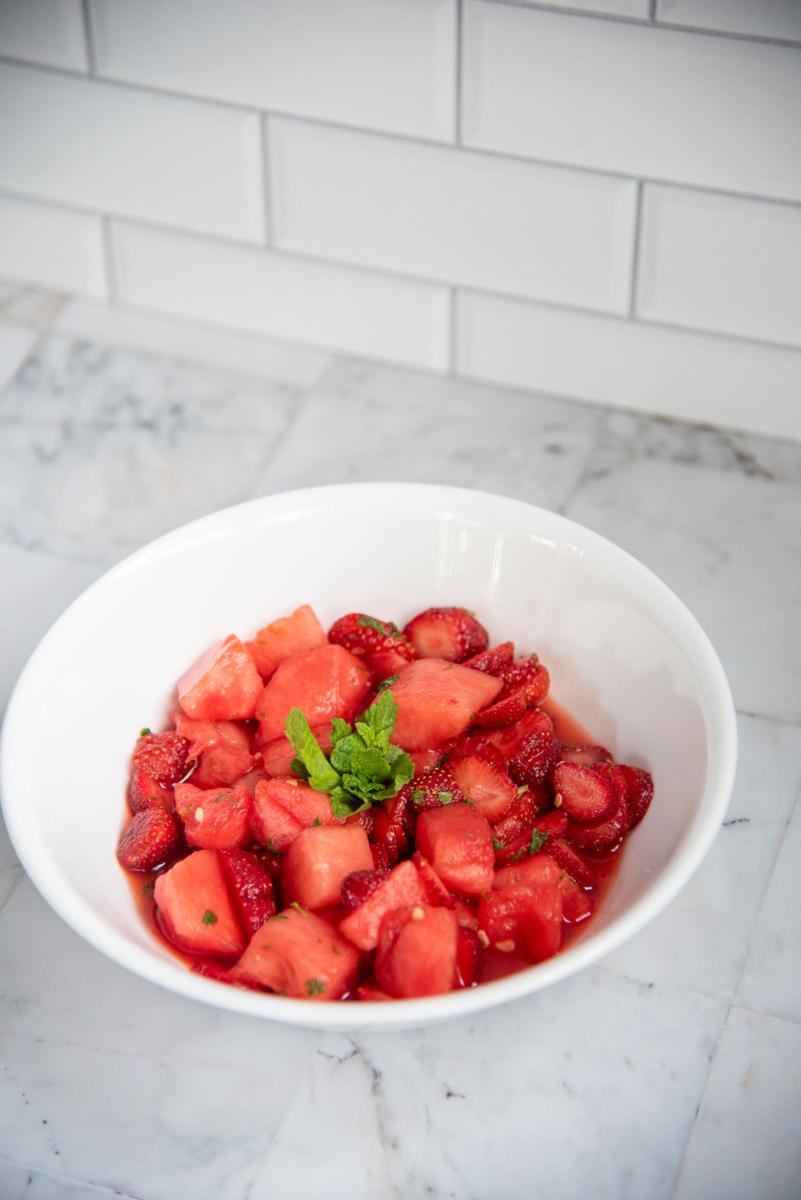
636, 252
458, 77
89, 38
701, 1099
419, 140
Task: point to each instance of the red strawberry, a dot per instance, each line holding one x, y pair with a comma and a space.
357, 886
250, 886
639, 792
536, 758
552, 825
510, 739
468, 950
144, 792
482, 777
150, 840
586, 756
212, 968
380, 643
519, 820
506, 711
431, 790
493, 661
570, 861
530, 674
162, 756
380, 855
450, 633
586, 795
600, 837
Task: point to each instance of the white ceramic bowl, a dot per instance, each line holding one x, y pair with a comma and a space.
626, 658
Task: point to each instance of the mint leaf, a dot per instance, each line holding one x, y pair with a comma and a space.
340, 729
314, 987
538, 840
388, 682
322, 776
378, 722
371, 623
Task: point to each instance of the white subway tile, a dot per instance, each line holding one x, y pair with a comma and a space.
44, 31
656, 102
721, 263
328, 306
181, 162
54, 246
380, 63
691, 376
612, 8
452, 215
764, 18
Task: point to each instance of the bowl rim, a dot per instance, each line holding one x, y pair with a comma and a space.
59, 893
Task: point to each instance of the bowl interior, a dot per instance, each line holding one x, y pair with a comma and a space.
626, 659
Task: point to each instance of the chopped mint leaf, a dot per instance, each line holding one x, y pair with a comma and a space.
316, 822
314, 987
418, 796
209, 918
298, 907
538, 840
278, 917
146, 732
271, 846
148, 888
371, 623
322, 776
445, 797
339, 729
388, 682
496, 845
515, 857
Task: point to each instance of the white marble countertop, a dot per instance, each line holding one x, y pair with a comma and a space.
673, 1068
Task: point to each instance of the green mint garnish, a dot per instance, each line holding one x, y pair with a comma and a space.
445, 797
370, 623
538, 840
314, 987
209, 918
298, 907
145, 732
316, 822
271, 846
363, 767
388, 682
496, 845
515, 857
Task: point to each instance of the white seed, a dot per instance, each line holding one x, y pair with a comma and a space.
482, 937
523, 788
417, 913
557, 800
506, 946
199, 815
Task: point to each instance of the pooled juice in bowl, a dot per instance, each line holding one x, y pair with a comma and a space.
372, 813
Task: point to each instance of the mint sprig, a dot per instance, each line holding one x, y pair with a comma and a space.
363, 767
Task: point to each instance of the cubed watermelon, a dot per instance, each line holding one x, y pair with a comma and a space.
287, 636
223, 685
283, 808
457, 841
539, 868
215, 818
298, 954
402, 887
325, 683
437, 701
222, 750
525, 920
195, 908
319, 859
417, 952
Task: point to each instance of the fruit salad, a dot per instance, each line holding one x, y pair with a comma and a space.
373, 813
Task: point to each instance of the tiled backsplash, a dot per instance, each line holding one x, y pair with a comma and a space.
599, 200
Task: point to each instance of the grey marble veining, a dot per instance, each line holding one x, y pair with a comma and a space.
673, 1065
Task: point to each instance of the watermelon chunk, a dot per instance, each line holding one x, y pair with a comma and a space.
216, 818
526, 920
325, 683
437, 701
222, 750
195, 908
223, 685
298, 954
457, 841
283, 808
402, 887
319, 859
417, 952
281, 639
539, 868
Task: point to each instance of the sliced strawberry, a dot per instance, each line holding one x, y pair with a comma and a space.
586, 756
434, 888
536, 758
510, 740
401, 887
380, 855
530, 674
391, 827
569, 860
468, 951
482, 778
357, 886
251, 887
450, 633
519, 820
162, 756
493, 661
550, 825
150, 841
639, 792
506, 711
432, 790
600, 837
365, 818
144, 792
380, 643
584, 793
